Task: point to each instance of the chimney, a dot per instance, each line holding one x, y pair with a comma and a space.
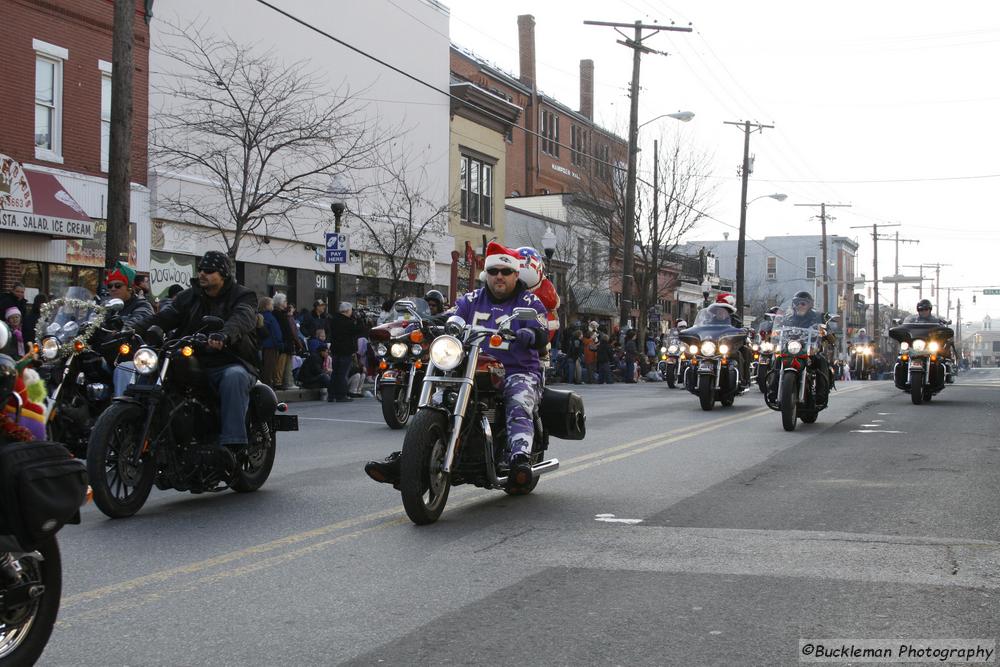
526, 42
587, 88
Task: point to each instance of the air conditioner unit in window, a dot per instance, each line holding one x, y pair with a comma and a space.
772, 276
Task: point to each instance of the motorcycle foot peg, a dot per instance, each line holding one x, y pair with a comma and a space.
545, 466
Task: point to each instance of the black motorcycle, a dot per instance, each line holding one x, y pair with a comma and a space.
861, 360
714, 373
670, 361
922, 368
41, 488
458, 435
165, 430
77, 357
401, 347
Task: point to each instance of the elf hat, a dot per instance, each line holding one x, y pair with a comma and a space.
122, 272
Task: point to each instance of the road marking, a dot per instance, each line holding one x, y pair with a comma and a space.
872, 430
395, 515
331, 419
610, 518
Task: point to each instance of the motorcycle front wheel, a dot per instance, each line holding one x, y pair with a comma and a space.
917, 387
25, 630
120, 487
422, 484
789, 401
395, 411
706, 391
671, 376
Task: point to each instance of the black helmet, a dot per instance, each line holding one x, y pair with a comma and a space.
803, 295
924, 304
434, 295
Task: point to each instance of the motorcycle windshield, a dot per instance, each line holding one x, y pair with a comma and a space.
67, 317
797, 320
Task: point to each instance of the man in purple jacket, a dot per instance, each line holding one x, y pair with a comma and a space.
490, 307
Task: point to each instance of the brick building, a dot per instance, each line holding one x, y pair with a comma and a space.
54, 142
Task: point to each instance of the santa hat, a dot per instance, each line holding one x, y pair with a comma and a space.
122, 272
501, 257
727, 301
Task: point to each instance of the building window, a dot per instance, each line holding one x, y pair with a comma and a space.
810, 267
48, 100
595, 257
550, 133
476, 182
105, 113
603, 162
772, 268
579, 142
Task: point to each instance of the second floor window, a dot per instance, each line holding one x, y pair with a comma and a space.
579, 140
603, 162
476, 191
48, 100
772, 268
105, 119
810, 267
550, 133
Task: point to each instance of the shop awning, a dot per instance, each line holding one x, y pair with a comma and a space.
37, 203
594, 301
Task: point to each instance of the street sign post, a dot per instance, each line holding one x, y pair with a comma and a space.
336, 248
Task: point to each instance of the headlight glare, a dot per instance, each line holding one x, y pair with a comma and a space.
723, 349
919, 344
416, 350
903, 347
398, 350
794, 346
145, 361
50, 348
708, 348
933, 346
693, 349
446, 352
672, 349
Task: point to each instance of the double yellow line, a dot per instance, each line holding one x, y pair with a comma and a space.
387, 518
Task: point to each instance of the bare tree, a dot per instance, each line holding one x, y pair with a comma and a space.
399, 218
268, 136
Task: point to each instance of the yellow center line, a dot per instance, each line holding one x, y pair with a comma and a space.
394, 516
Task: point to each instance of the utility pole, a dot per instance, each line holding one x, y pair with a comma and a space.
875, 239
826, 270
741, 245
628, 241
120, 141
656, 227
937, 281
958, 331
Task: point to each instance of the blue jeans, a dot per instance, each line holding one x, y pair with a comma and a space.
232, 383
571, 370
124, 372
338, 379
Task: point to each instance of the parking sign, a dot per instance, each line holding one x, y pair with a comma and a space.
336, 248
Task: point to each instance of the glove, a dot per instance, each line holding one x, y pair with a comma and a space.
525, 338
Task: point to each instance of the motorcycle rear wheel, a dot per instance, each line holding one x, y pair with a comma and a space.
255, 468
24, 632
395, 412
422, 485
706, 392
789, 401
917, 387
120, 489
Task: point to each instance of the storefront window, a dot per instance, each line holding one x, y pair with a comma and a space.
60, 279
87, 278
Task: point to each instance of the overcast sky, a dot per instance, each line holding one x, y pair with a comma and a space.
860, 93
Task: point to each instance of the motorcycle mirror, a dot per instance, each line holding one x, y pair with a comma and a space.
114, 305
405, 305
456, 321
211, 324
525, 314
154, 335
4, 335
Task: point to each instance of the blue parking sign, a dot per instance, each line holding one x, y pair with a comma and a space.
336, 248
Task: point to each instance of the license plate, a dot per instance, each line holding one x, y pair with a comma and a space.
916, 364
763, 362
707, 365
286, 422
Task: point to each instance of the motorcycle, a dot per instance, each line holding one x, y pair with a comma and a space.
402, 350
714, 373
795, 370
164, 430
41, 489
861, 360
77, 364
458, 434
670, 361
921, 368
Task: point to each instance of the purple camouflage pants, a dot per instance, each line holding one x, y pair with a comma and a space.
521, 394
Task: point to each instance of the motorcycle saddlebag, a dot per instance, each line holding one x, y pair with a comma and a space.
562, 414
41, 488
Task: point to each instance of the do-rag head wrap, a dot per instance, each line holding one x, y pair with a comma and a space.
213, 260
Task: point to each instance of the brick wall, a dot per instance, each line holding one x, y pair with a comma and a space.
85, 30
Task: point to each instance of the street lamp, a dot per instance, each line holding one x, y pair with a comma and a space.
338, 210
683, 116
549, 244
741, 249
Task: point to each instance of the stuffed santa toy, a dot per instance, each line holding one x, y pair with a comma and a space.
532, 274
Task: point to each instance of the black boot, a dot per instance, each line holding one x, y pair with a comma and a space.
385, 471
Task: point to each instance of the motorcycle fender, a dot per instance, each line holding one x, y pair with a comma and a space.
263, 402
388, 377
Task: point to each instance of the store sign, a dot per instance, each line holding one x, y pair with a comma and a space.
36, 202
322, 281
563, 170
166, 269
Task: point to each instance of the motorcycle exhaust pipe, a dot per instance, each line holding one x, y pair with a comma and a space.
536, 470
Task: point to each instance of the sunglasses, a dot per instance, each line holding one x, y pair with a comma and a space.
919, 310
503, 272
116, 285
207, 271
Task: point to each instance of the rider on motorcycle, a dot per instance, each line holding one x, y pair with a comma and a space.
231, 365
435, 300
490, 306
923, 316
120, 281
724, 312
805, 316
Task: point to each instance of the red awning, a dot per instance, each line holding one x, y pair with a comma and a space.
50, 200
36, 202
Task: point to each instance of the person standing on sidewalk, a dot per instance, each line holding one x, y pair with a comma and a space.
345, 329
631, 353
574, 355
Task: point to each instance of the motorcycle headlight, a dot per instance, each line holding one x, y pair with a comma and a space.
446, 352
663, 350
903, 347
380, 350
145, 361
672, 349
50, 348
708, 348
723, 349
933, 346
919, 344
794, 346
416, 350
398, 350
693, 349
766, 347
755, 347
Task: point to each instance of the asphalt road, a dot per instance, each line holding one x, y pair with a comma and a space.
668, 536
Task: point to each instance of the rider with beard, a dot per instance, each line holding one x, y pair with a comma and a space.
230, 362
803, 315
488, 306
